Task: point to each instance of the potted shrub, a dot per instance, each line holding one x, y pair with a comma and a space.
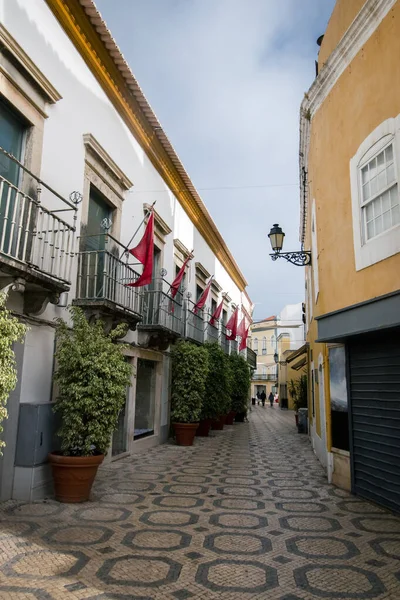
298, 391
11, 330
229, 409
189, 374
293, 389
216, 390
240, 386
92, 376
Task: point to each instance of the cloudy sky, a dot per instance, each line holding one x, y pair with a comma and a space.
226, 79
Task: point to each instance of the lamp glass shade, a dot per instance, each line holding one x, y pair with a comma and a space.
276, 236
276, 357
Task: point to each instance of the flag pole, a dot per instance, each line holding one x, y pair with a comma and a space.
141, 223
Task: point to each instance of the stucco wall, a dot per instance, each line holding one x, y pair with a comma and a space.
342, 16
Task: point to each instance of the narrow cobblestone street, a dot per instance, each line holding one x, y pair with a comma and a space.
247, 513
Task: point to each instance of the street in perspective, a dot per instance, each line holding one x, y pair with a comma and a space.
199, 300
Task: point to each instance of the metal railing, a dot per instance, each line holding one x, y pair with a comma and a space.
223, 341
160, 310
264, 377
102, 275
194, 326
250, 356
212, 333
233, 347
30, 233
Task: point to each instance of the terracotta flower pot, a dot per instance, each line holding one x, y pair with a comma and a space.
204, 428
184, 433
218, 424
229, 417
73, 476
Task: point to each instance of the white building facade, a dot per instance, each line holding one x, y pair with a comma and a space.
92, 159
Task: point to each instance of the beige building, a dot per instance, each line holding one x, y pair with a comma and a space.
264, 344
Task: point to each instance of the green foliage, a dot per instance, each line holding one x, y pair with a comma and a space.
11, 330
216, 399
189, 374
92, 375
299, 391
240, 383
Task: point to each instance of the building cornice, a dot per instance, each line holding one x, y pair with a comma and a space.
87, 31
364, 25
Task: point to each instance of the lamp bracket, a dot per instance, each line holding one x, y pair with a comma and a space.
300, 259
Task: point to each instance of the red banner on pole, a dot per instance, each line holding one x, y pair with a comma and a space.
217, 313
232, 325
203, 298
243, 343
178, 279
144, 252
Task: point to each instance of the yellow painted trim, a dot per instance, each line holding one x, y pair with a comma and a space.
80, 31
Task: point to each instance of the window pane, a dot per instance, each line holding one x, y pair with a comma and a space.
374, 186
382, 180
364, 174
372, 168
387, 221
394, 196
396, 215
370, 211
370, 230
366, 194
390, 173
381, 160
385, 201
378, 225
389, 153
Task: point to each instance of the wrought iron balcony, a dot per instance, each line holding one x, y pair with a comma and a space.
194, 326
212, 333
223, 341
263, 377
233, 347
35, 243
162, 313
103, 277
250, 356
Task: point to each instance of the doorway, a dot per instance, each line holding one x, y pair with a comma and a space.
145, 398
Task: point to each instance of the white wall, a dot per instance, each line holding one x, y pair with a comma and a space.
290, 323
84, 108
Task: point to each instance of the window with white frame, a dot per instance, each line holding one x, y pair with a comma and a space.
375, 195
264, 345
379, 194
255, 345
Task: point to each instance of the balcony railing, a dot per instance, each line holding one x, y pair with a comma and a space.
31, 234
223, 341
264, 377
103, 275
194, 326
234, 347
250, 356
161, 311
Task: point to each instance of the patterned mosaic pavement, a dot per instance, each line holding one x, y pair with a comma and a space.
247, 513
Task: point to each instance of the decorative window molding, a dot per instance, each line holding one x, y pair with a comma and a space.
364, 25
201, 273
371, 246
161, 229
94, 148
7, 42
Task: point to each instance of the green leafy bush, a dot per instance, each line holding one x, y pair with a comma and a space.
240, 383
11, 330
189, 374
92, 375
216, 399
298, 389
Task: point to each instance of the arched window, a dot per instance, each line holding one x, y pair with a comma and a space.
264, 345
255, 345
273, 342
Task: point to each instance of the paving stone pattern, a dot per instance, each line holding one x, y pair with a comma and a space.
247, 513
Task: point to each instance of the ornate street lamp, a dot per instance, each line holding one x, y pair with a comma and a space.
300, 259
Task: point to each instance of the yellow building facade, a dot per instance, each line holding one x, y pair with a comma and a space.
350, 221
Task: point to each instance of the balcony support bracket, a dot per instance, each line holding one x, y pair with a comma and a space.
35, 303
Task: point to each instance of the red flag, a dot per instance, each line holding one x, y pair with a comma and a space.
144, 253
177, 281
243, 343
241, 330
203, 298
217, 313
232, 324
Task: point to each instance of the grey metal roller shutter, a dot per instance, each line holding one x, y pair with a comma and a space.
374, 366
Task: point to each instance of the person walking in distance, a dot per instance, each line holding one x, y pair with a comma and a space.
263, 397
271, 399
